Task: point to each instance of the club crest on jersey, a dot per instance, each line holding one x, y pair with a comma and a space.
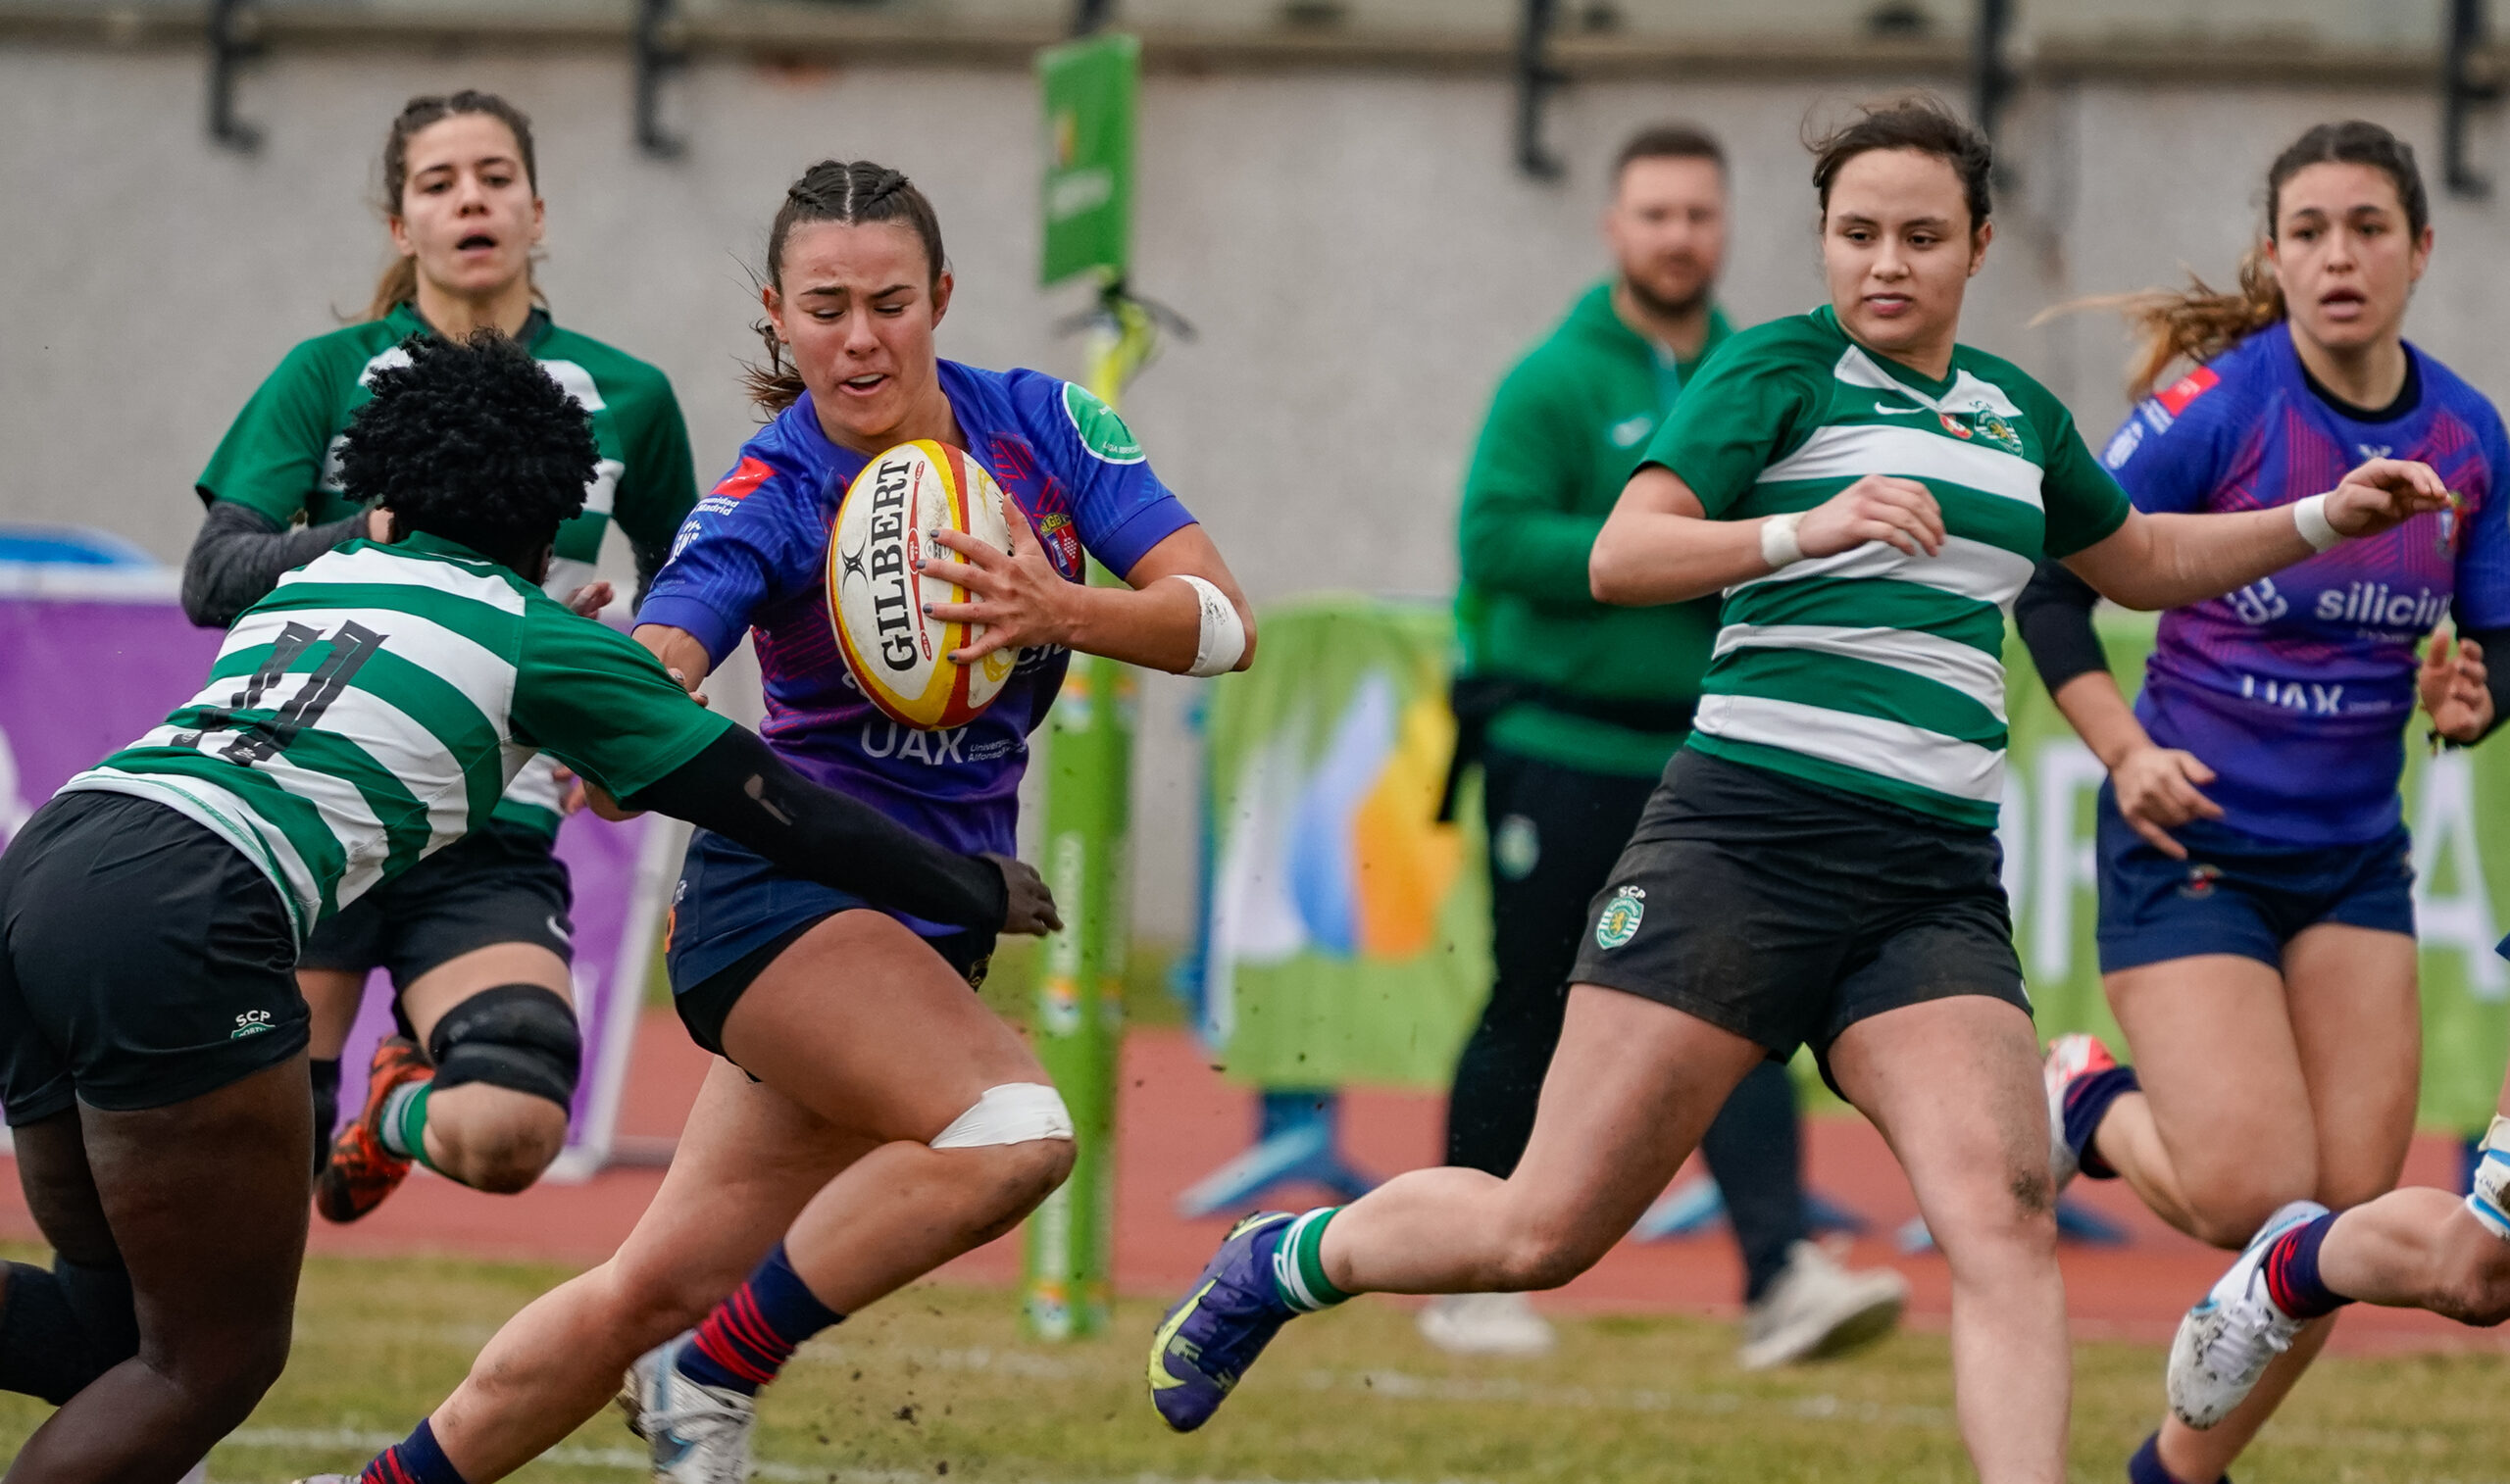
1620, 922
1062, 541
1997, 430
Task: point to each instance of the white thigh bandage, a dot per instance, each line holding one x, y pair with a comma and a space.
1222, 641
1015, 1112
2490, 1198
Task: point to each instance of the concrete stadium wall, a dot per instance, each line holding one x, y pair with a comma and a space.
1360, 258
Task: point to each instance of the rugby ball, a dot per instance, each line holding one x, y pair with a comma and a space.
899, 658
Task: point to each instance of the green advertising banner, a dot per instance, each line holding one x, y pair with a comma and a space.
1088, 88
2457, 803
1348, 934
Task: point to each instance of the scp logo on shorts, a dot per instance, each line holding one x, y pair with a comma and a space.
1620, 922
251, 1022
2200, 882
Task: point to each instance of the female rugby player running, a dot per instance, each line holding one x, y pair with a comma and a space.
366, 714
1820, 864
871, 1119
2256, 899
477, 940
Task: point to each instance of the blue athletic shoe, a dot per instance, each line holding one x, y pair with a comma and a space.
1217, 1330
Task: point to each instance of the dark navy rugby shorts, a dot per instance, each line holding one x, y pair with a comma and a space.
2238, 893
734, 911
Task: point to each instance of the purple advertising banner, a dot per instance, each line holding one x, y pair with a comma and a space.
92, 658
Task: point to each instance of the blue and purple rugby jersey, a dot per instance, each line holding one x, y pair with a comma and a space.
753, 556
2297, 688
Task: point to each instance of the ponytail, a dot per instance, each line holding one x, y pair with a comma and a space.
2196, 323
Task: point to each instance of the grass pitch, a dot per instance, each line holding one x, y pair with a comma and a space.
937, 1383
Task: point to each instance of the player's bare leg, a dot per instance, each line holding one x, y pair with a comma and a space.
2317, 1104
2419, 1248
747, 1163
863, 1020
1631, 1090
215, 1300
1953, 1085
1632, 1086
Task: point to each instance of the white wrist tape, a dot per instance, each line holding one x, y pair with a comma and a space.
2309, 517
1779, 547
2492, 1179
1222, 640
1015, 1112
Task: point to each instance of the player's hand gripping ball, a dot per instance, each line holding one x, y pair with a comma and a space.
899, 655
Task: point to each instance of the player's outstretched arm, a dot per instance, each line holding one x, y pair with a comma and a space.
2168, 561
739, 789
1659, 545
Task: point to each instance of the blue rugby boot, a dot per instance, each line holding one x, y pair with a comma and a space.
1238, 1305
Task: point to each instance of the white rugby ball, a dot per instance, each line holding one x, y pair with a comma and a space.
899, 658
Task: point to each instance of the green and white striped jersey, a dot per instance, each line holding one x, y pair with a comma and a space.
1872, 671
282, 456
372, 709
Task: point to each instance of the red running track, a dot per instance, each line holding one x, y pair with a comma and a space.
1180, 1122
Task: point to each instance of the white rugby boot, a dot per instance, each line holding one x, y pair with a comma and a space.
694, 1433
2070, 1056
1817, 1308
2225, 1343
1486, 1324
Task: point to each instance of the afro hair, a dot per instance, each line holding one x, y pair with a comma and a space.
472, 440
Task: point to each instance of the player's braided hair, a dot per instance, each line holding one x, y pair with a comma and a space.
851, 191
2197, 323
472, 440
400, 281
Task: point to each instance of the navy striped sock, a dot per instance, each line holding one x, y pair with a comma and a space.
2087, 1104
748, 1338
415, 1460
2292, 1272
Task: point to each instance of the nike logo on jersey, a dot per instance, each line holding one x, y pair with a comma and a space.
1888, 411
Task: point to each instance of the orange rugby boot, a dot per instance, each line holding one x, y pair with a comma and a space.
362, 1170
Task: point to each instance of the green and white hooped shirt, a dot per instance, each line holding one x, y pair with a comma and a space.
376, 706
281, 458
1872, 671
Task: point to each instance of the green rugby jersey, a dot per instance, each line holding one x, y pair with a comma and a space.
281, 458
1873, 671
375, 707
1565, 429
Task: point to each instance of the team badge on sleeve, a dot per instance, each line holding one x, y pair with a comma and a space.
1101, 431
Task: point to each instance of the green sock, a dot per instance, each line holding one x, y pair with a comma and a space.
404, 1125
1298, 1263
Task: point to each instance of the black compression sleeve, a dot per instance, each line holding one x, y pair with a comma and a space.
240, 554
740, 790
2496, 670
2054, 617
